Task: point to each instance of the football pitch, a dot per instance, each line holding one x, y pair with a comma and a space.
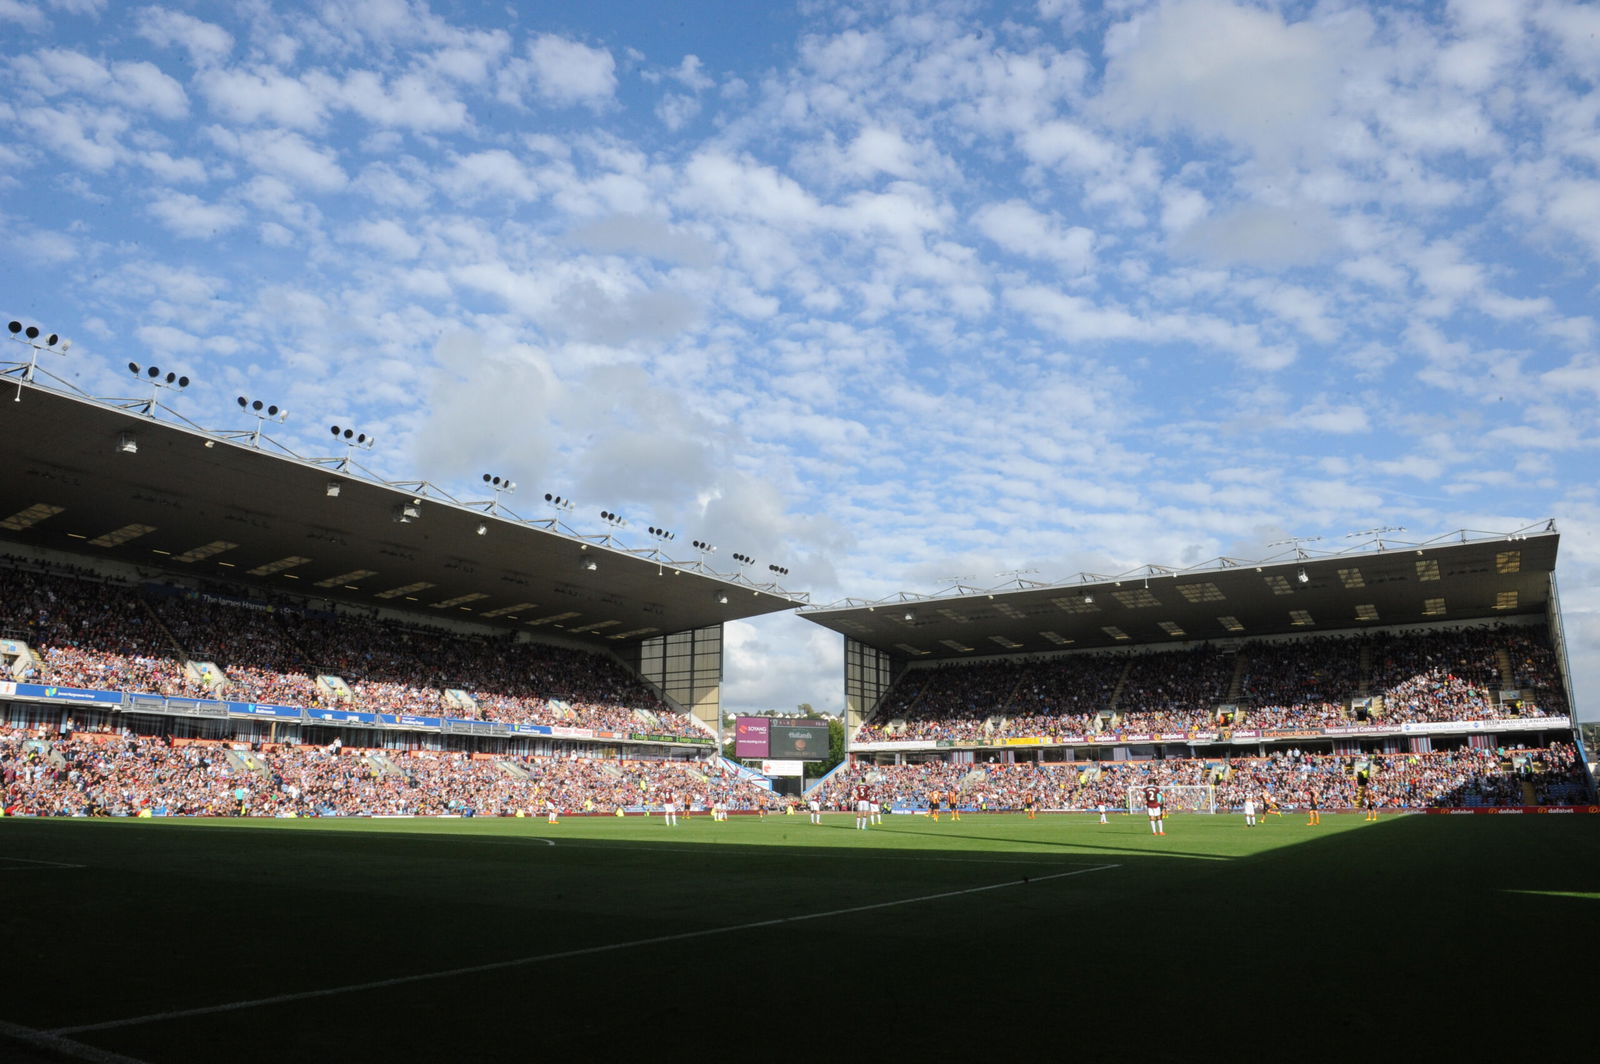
510, 939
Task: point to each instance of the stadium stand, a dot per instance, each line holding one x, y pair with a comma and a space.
1391, 678
120, 774
1466, 777
87, 632
83, 630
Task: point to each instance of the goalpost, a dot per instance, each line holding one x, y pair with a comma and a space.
1184, 798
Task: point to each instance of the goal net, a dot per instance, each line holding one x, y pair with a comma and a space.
1186, 798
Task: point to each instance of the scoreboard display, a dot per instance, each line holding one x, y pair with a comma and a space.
806, 741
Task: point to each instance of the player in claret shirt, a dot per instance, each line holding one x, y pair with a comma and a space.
1155, 804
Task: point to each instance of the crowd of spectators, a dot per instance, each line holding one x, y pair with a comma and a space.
1171, 691
1465, 777
1288, 686
954, 702
1469, 776
1293, 686
1011, 786
88, 633
122, 774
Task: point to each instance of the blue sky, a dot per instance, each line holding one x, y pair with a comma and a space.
888, 293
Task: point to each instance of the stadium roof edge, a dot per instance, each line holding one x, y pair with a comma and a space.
1222, 562
77, 476
1466, 575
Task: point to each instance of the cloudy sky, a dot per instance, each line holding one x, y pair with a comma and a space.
887, 293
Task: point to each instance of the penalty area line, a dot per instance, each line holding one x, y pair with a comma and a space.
586, 951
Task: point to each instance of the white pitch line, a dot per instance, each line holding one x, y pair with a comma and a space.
42, 864
587, 951
780, 850
58, 1046
741, 850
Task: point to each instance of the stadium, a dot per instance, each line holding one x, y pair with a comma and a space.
321, 754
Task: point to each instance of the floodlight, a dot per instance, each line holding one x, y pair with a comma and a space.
127, 443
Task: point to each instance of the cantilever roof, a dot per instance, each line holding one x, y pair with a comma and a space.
1462, 576
204, 505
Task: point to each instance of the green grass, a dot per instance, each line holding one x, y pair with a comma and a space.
949, 940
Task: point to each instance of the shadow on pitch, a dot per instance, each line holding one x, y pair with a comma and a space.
1084, 848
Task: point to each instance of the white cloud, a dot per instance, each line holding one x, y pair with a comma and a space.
566, 72
139, 85
690, 73
490, 174
779, 663
189, 216
44, 248
144, 85
1340, 420
165, 28
26, 15
1021, 230
90, 139
473, 57
1258, 234
1201, 66
744, 187
1077, 318
877, 150
262, 95
407, 102
388, 236
171, 170
285, 154
677, 111
643, 235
